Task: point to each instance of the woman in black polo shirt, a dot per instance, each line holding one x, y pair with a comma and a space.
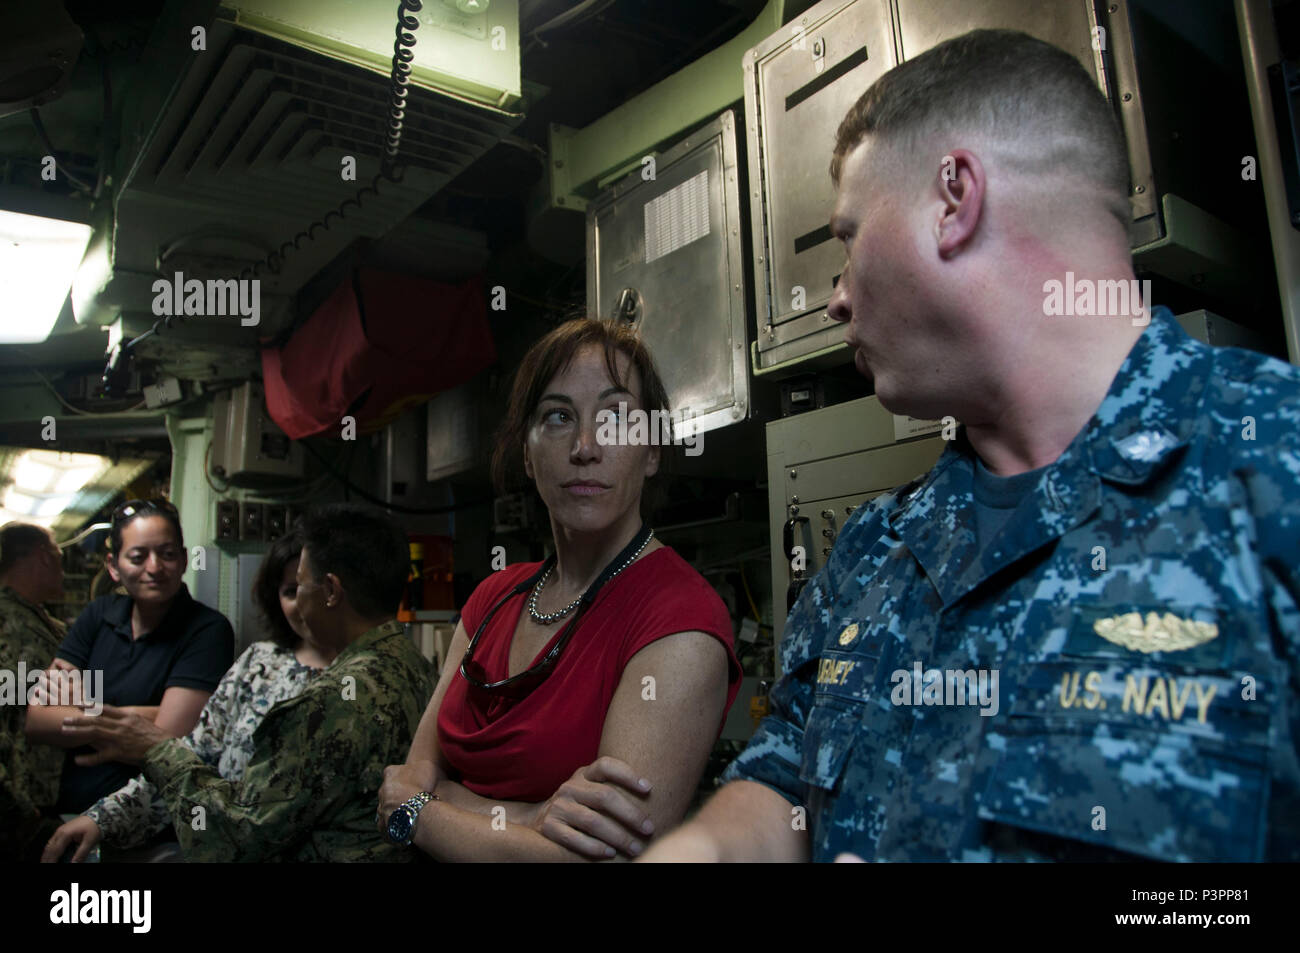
160, 652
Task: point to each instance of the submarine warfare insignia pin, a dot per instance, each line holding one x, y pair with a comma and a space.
1166, 633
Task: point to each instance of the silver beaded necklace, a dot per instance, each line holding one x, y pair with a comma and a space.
547, 618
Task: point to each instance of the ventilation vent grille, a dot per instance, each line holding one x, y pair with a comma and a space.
253, 140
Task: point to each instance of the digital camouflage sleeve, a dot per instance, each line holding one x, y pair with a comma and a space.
263, 676
309, 792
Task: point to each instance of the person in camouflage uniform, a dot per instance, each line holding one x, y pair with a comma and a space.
1127, 587
31, 572
262, 677
308, 790
1172, 742
267, 673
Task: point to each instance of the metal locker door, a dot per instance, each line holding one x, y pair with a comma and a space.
1065, 23
1075, 26
799, 83
665, 253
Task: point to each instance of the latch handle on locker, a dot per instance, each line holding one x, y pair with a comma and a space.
787, 535
796, 581
628, 306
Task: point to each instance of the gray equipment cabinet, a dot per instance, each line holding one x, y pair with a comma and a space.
799, 84
801, 81
821, 466
664, 252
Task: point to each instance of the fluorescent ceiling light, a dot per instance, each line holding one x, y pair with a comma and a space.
19, 504
45, 472
73, 480
45, 482
32, 475
38, 259
52, 506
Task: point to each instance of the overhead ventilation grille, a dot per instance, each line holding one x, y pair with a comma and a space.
269, 125
251, 145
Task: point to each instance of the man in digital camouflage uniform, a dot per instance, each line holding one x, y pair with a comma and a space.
308, 793
1114, 532
31, 573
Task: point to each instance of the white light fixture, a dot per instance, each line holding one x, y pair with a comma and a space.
19, 504
73, 480
52, 506
38, 258
32, 475
45, 482
468, 6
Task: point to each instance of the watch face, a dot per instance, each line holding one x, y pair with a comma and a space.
399, 826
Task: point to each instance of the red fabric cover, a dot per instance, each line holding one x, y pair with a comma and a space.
524, 750
407, 339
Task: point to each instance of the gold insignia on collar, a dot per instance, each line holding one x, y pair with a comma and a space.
1166, 633
849, 634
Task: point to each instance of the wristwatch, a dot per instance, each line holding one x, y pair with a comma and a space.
401, 823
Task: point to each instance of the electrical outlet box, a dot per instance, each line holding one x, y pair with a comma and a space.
277, 521
227, 519
248, 449
166, 391
252, 521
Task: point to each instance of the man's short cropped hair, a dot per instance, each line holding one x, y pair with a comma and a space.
365, 549
1007, 87
19, 541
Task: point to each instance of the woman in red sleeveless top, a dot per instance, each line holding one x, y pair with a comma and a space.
587, 690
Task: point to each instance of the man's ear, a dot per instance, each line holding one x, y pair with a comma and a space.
961, 183
334, 591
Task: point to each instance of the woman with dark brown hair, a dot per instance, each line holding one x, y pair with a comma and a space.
592, 685
155, 649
